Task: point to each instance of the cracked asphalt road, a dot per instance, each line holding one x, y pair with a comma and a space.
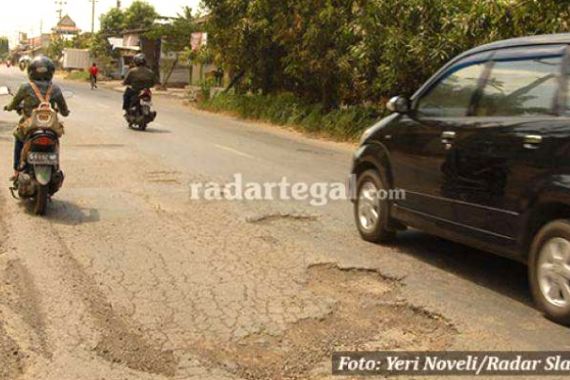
128, 278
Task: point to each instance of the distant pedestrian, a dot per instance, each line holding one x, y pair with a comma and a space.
93, 72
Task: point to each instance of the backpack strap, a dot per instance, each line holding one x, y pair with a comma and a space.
49, 93
39, 95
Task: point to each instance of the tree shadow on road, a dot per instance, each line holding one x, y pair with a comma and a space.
496, 273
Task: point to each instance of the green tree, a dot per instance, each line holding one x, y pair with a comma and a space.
140, 15
240, 34
4, 47
112, 22
55, 48
82, 41
344, 52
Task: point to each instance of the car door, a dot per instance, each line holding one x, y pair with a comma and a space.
508, 142
420, 142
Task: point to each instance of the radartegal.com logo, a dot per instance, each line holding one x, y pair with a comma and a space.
317, 194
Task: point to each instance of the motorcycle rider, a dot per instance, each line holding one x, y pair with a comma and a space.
40, 72
138, 78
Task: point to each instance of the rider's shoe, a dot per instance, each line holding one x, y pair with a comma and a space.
14, 177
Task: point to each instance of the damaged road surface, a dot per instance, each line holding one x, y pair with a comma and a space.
128, 277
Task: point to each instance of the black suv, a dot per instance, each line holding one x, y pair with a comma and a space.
481, 155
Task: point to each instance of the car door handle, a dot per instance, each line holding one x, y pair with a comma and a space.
532, 141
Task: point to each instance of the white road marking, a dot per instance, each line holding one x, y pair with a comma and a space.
234, 151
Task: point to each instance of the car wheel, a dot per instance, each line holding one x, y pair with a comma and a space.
372, 213
549, 271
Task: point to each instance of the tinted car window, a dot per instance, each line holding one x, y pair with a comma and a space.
451, 96
520, 87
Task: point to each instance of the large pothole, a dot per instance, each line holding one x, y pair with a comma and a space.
368, 315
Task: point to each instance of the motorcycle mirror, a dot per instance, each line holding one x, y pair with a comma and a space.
5, 90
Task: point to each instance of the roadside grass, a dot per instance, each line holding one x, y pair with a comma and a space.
344, 124
78, 75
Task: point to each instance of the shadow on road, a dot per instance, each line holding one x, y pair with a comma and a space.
63, 212
158, 131
496, 273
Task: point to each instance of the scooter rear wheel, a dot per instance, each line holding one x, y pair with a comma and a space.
40, 201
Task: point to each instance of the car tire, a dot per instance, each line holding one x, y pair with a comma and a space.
549, 271
371, 213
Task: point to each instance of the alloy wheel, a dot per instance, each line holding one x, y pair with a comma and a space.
368, 206
554, 272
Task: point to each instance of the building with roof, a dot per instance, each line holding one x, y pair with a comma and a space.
66, 28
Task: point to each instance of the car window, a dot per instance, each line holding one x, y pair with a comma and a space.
452, 96
521, 87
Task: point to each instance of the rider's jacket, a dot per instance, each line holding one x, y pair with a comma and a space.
140, 78
26, 97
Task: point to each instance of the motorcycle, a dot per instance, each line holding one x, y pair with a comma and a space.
141, 114
40, 175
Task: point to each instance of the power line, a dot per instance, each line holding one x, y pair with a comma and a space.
60, 4
93, 15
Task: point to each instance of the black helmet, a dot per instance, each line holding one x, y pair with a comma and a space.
41, 68
140, 59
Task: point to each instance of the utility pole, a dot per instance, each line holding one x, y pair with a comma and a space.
60, 4
93, 15
118, 4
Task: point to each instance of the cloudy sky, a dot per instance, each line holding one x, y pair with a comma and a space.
29, 16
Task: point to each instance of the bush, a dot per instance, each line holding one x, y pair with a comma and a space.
285, 109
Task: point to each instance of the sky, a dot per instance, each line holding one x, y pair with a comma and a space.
28, 16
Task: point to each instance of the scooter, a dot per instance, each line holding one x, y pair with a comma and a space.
40, 175
141, 114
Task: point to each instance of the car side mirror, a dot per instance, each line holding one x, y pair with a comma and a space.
399, 104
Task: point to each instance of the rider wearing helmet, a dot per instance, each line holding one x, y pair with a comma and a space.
40, 71
138, 78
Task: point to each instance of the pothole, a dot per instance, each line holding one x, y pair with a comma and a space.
367, 315
313, 151
168, 181
268, 218
164, 177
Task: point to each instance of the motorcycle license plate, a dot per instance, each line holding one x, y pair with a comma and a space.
40, 158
